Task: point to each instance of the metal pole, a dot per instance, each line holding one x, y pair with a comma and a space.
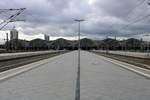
77, 95
77, 91
7, 41
147, 46
107, 45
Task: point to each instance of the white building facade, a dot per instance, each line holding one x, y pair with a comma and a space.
13, 34
46, 37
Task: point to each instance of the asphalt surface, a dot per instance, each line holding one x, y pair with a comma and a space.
100, 80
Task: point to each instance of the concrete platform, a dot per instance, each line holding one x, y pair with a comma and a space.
55, 80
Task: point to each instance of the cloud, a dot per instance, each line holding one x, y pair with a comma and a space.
55, 17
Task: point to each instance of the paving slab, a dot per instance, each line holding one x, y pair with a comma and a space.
55, 80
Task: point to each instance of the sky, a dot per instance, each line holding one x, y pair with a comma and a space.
123, 18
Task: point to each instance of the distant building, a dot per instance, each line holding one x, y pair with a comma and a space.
46, 37
13, 34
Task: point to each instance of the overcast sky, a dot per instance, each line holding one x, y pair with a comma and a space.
103, 17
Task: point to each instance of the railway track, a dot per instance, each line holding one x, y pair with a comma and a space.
17, 62
139, 62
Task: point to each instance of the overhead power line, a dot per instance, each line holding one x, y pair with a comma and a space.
138, 20
133, 9
131, 12
11, 18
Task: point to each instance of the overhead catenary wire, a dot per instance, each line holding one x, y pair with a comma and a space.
133, 9
10, 18
137, 19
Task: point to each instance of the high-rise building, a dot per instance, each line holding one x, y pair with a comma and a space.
13, 34
46, 37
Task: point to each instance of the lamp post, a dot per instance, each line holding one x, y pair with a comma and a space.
77, 91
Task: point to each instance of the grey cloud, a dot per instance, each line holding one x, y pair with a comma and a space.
55, 17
